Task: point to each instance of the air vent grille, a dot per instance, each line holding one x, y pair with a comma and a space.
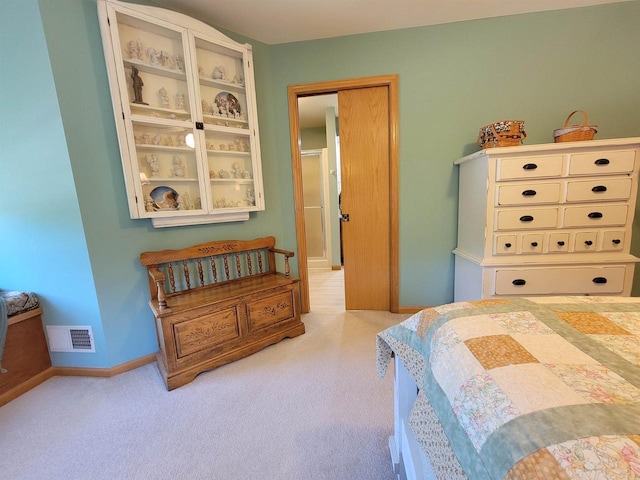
65, 338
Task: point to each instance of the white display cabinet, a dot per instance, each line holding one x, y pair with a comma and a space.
184, 103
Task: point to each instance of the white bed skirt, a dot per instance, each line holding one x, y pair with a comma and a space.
409, 461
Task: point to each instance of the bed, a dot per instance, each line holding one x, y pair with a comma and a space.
519, 388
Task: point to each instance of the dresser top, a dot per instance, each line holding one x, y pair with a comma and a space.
585, 146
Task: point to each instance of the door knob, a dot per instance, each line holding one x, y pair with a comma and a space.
344, 217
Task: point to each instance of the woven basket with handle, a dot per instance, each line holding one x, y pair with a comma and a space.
506, 133
575, 133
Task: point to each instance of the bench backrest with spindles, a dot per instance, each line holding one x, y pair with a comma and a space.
211, 263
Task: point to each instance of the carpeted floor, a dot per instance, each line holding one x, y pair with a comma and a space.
307, 408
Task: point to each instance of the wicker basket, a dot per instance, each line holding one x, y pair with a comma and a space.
575, 133
506, 133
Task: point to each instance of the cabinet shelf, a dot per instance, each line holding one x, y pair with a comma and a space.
245, 181
238, 87
179, 114
229, 152
155, 69
216, 120
164, 180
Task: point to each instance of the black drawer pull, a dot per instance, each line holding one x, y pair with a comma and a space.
588, 242
602, 161
529, 193
526, 218
507, 245
520, 281
530, 166
561, 243
595, 215
600, 280
599, 188
616, 241
534, 244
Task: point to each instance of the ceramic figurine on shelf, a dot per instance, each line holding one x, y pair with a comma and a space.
184, 202
178, 167
235, 170
134, 49
169, 141
218, 73
165, 59
241, 145
213, 174
179, 62
223, 173
180, 101
250, 196
201, 71
154, 164
237, 78
246, 174
157, 139
148, 203
137, 86
164, 97
206, 109
154, 56
145, 139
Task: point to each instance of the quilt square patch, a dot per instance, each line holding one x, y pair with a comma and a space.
592, 323
498, 351
540, 465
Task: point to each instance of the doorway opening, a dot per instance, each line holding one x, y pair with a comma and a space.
296, 92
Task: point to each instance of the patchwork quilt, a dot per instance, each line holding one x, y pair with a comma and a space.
525, 388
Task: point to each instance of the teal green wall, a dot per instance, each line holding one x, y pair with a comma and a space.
43, 247
455, 78
71, 238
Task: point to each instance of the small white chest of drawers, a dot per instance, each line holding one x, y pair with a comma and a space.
552, 219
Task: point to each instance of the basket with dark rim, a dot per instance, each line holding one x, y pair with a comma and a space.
506, 133
575, 133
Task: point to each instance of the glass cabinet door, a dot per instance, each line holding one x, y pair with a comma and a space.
229, 118
167, 168
154, 69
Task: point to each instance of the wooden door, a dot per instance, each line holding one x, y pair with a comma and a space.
364, 154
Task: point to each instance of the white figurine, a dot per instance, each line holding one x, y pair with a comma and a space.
178, 167
154, 56
250, 196
148, 203
178, 60
157, 139
164, 97
165, 59
246, 174
218, 73
134, 49
180, 101
154, 164
235, 170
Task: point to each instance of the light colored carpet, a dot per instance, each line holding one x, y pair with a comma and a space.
310, 407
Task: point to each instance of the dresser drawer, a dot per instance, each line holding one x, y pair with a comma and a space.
527, 218
601, 163
529, 167
528, 193
595, 216
578, 280
598, 190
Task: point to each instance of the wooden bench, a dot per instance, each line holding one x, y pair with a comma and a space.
26, 356
218, 302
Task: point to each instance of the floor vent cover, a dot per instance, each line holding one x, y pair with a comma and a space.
65, 338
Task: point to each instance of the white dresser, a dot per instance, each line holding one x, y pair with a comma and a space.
552, 219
